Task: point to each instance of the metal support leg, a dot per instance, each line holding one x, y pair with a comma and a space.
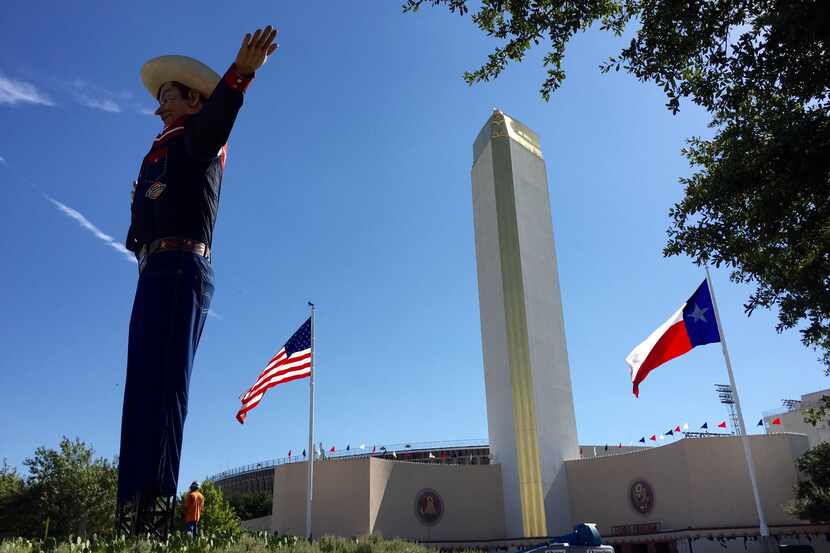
143, 516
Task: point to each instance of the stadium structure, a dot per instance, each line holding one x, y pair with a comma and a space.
530, 480
690, 496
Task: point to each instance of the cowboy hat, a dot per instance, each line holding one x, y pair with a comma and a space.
188, 71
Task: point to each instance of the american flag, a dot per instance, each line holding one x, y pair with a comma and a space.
292, 362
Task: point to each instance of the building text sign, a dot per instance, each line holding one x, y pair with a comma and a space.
635, 529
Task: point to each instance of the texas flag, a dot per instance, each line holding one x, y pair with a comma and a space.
690, 326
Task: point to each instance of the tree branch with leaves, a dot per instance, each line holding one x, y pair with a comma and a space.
758, 199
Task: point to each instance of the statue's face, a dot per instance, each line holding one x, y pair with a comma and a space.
172, 104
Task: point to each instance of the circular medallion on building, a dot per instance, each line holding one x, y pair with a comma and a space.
642, 496
429, 507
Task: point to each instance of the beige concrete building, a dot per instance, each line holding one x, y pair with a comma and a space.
693, 488
368, 495
792, 419
691, 496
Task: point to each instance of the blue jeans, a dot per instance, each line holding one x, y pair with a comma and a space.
192, 528
171, 304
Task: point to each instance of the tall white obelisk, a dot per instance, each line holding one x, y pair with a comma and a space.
530, 412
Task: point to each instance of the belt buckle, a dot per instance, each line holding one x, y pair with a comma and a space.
142, 258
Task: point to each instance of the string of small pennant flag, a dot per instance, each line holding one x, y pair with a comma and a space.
678, 430
681, 431
321, 452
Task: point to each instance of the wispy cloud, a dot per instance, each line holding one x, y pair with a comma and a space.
104, 237
99, 103
96, 97
2, 160
14, 92
85, 223
80, 91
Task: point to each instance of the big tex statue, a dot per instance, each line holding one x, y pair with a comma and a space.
174, 206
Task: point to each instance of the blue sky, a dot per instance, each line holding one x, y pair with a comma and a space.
348, 183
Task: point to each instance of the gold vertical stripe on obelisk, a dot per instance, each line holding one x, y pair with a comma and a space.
521, 378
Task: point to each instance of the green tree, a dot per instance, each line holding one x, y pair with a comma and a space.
218, 516
812, 500
11, 483
251, 505
815, 415
11, 495
70, 490
758, 200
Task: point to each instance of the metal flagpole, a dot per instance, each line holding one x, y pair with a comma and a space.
310, 431
744, 439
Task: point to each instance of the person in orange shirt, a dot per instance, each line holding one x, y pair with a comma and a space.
194, 502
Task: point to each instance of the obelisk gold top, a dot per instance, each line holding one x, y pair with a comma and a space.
501, 125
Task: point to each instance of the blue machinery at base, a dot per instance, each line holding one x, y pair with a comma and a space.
585, 537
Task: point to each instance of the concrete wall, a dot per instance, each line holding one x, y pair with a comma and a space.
377, 496
698, 483
473, 506
341, 498
793, 421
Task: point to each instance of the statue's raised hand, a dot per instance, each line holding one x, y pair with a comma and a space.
255, 50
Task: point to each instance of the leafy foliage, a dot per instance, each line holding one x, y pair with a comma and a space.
524, 24
813, 493
218, 516
10, 482
251, 505
815, 415
758, 201
72, 490
11, 489
67, 492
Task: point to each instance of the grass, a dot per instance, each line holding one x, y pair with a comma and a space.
246, 543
